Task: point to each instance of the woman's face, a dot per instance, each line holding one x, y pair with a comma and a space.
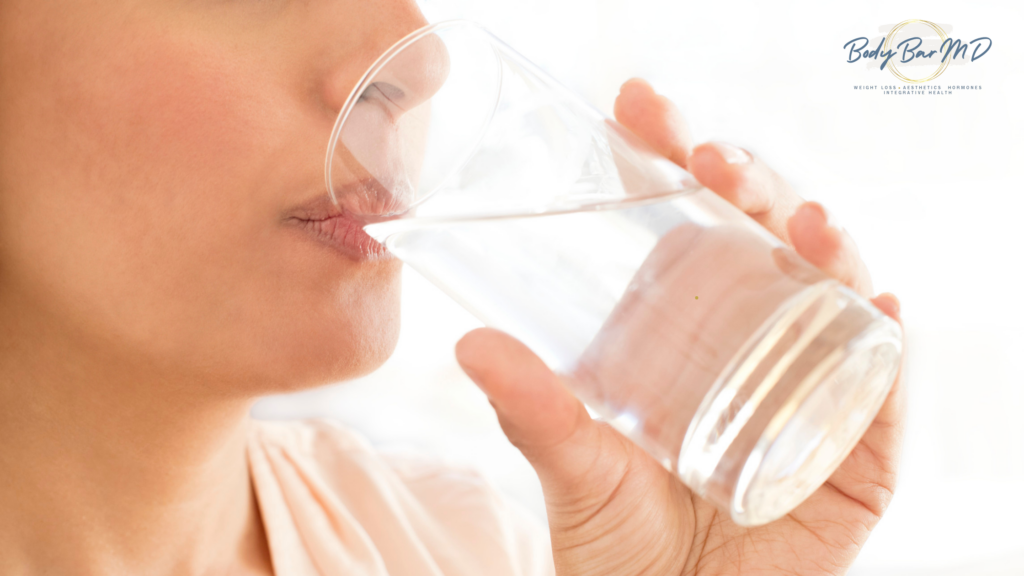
153, 154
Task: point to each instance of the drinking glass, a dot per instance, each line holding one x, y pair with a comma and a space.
673, 315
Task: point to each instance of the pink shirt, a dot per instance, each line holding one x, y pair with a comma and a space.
333, 506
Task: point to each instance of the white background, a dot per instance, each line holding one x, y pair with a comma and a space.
929, 186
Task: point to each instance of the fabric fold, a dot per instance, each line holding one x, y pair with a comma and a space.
332, 505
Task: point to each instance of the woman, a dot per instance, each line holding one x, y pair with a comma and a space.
160, 269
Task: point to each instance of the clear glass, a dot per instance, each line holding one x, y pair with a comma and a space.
682, 322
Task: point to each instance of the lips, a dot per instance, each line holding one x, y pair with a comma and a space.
341, 227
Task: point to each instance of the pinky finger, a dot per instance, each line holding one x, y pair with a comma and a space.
889, 304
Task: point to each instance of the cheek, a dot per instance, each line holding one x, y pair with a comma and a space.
171, 213
186, 130
159, 144
155, 192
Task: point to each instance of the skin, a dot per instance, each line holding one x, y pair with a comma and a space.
612, 508
152, 286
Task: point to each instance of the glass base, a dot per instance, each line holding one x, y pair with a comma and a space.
791, 404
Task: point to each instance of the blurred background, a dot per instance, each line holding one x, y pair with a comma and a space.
927, 185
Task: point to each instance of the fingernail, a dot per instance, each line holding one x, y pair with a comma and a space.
636, 84
894, 300
824, 214
732, 154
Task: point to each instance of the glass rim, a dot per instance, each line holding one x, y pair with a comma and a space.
383, 60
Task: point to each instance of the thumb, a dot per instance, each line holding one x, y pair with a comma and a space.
542, 418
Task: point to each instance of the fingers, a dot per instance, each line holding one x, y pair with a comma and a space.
891, 414
535, 408
655, 119
731, 172
889, 304
747, 183
753, 187
817, 238
538, 413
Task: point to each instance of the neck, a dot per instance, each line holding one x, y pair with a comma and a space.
108, 469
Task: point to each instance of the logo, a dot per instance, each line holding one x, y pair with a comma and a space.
916, 51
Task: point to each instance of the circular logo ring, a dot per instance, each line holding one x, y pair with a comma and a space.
892, 65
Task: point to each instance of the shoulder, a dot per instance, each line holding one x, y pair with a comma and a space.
452, 512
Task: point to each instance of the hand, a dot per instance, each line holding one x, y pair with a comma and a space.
612, 509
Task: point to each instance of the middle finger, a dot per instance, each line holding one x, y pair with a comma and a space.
747, 183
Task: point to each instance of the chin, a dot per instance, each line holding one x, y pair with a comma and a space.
337, 350
369, 352
321, 363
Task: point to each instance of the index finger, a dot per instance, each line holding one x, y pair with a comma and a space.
655, 119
